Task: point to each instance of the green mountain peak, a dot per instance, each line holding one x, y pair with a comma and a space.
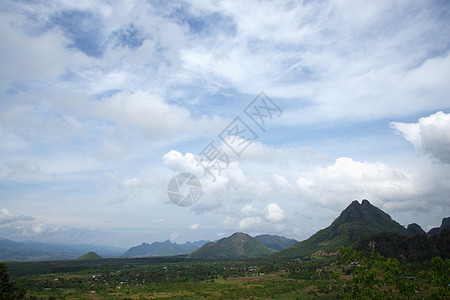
354, 223
90, 256
238, 245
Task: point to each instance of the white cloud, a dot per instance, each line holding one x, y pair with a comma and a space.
182, 163
333, 185
345, 64
230, 185
249, 210
430, 135
161, 85
194, 226
228, 222
7, 216
349, 179
151, 114
264, 153
273, 213
254, 219
25, 120
129, 187
173, 236
27, 57
250, 223
131, 182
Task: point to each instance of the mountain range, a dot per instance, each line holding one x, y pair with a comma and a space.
357, 223
166, 248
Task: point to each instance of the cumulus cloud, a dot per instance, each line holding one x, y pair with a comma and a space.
194, 226
273, 213
228, 222
251, 218
182, 163
230, 184
331, 184
249, 210
250, 223
430, 135
324, 191
349, 179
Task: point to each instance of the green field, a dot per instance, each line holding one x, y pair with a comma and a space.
348, 275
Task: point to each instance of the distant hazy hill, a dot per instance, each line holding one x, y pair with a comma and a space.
90, 256
189, 247
238, 245
445, 224
166, 248
354, 223
26, 251
275, 242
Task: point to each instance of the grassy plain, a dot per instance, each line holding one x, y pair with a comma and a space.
323, 277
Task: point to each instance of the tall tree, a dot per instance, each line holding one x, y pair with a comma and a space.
8, 289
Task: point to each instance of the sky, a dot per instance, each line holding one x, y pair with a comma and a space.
102, 103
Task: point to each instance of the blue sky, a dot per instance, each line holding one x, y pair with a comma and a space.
101, 104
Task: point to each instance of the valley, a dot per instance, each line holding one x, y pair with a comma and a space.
362, 254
